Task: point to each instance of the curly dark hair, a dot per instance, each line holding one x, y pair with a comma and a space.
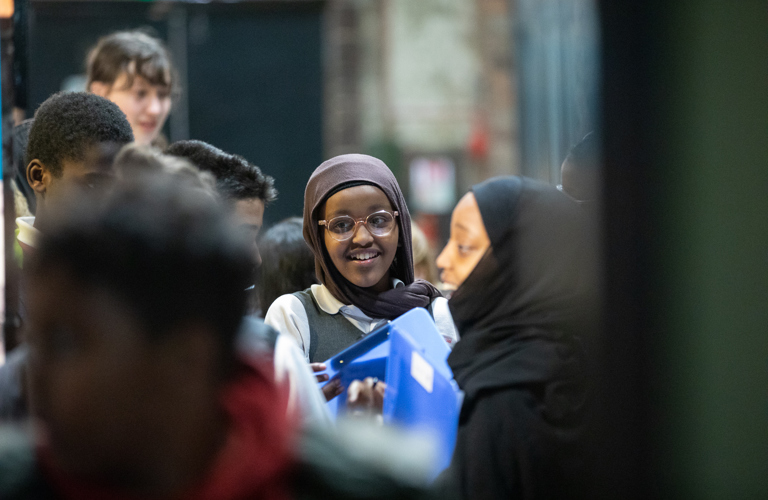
236, 178
68, 124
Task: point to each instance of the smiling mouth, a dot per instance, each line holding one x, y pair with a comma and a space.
363, 257
448, 285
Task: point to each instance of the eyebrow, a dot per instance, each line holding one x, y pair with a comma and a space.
462, 226
371, 209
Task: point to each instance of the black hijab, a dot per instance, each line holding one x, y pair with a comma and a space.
522, 310
353, 170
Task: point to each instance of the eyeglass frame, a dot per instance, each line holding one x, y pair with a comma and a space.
569, 195
325, 223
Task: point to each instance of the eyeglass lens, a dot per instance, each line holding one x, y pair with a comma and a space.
378, 224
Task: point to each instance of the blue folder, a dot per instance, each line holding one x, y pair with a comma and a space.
419, 398
411, 356
375, 346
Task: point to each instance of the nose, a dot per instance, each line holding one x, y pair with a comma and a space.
442, 260
362, 236
155, 106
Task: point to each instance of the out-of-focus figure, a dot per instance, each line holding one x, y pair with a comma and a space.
246, 191
287, 262
424, 267
517, 255
134, 306
580, 171
134, 70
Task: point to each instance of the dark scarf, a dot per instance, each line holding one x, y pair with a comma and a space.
349, 170
523, 309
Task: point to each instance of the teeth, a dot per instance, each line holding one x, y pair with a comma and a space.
363, 256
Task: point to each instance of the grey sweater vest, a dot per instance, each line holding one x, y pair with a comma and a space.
329, 334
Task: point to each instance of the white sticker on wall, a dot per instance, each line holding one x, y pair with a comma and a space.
422, 371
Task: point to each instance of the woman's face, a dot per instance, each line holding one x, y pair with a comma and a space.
467, 245
145, 105
364, 259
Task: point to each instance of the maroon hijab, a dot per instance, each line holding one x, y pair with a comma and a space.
350, 170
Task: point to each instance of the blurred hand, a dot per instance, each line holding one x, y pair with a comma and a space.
332, 388
319, 367
366, 396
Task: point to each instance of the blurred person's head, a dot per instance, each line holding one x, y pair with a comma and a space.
581, 169
288, 264
134, 70
134, 302
239, 182
71, 143
134, 161
424, 267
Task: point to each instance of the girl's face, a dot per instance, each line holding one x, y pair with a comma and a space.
469, 242
365, 258
145, 105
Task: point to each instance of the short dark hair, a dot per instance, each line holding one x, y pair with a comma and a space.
69, 124
288, 264
135, 53
136, 160
174, 257
236, 178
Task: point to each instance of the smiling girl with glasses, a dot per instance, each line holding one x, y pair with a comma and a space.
357, 224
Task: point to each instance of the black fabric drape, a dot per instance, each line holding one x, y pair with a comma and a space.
523, 314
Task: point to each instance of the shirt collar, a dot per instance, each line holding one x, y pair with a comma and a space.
28, 234
331, 305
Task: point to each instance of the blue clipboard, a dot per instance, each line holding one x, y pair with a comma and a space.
420, 399
410, 355
368, 356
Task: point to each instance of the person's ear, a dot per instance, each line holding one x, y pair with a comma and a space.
38, 176
100, 88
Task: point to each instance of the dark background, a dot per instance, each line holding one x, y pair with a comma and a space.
254, 75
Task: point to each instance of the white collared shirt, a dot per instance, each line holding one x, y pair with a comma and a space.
288, 316
28, 234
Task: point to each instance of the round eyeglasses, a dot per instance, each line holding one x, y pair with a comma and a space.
343, 227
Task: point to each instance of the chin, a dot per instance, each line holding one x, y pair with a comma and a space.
366, 281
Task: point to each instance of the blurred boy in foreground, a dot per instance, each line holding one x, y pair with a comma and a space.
134, 305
